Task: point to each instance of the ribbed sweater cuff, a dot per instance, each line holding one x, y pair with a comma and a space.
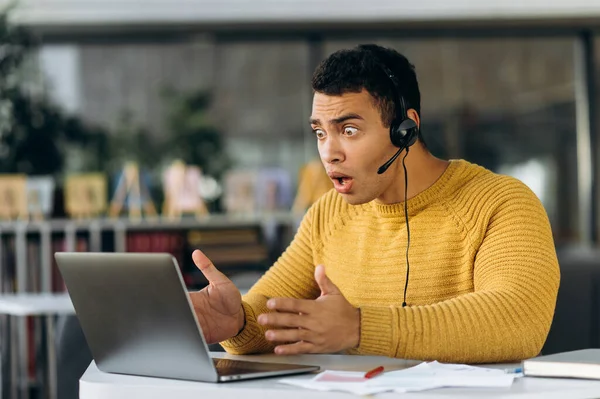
249, 339
376, 331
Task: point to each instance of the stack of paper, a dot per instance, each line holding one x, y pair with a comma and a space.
422, 377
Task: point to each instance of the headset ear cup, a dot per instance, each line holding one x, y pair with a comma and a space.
404, 134
411, 136
396, 135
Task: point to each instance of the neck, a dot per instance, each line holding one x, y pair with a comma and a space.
423, 170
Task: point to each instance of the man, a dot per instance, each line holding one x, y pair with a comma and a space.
483, 274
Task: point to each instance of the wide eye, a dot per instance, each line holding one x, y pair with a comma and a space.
320, 134
350, 131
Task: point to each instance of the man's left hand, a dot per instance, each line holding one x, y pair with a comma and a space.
327, 324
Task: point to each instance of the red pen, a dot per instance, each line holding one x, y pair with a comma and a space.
374, 372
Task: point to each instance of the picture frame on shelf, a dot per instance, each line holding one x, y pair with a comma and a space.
273, 190
239, 191
40, 196
181, 186
86, 195
13, 197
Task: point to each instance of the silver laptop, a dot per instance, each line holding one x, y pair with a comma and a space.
137, 319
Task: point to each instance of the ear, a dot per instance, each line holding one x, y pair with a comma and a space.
412, 114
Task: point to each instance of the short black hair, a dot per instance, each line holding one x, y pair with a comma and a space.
352, 70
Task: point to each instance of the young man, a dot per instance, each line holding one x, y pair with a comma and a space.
483, 270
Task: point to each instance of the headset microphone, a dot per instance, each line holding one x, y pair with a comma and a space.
386, 165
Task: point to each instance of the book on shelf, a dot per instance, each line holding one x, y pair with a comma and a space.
156, 241
230, 246
226, 256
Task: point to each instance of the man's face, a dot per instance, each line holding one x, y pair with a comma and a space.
353, 144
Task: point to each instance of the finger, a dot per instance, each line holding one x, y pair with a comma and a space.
289, 320
325, 284
296, 348
212, 274
291, 335
291, 305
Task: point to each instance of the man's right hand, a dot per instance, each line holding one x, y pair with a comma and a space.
219, 305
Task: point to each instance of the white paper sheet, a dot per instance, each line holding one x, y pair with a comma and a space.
422, 377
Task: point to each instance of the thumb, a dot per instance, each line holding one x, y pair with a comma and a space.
212, 274
325, 284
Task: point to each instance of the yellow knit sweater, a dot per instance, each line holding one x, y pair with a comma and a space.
483, 278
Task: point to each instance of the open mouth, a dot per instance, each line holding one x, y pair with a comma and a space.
342, 183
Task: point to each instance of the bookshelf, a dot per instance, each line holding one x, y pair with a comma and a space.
235, 243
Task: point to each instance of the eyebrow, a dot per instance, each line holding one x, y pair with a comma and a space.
338, 120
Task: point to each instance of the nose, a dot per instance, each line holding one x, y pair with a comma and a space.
330, 151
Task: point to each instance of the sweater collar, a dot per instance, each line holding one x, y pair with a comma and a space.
425, 197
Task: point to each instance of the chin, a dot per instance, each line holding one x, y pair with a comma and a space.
354, 199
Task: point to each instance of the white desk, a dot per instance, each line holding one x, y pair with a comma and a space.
95, 384
17, 307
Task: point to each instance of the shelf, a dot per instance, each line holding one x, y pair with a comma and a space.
209, 221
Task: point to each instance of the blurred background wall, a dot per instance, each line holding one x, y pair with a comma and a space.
501, 83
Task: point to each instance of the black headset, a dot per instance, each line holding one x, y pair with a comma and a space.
403, 130
403, 133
